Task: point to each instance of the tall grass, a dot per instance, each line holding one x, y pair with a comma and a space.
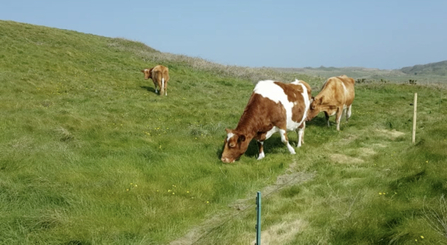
91, 155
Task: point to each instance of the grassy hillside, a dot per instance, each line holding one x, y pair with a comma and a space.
437, 68
91, 155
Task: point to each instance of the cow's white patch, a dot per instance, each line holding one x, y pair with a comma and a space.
229, 136
305, 100
268, 89
271, 132
345, 90
261, 155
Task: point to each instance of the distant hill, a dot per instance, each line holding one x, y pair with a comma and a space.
428, 73
437, 68
356, 72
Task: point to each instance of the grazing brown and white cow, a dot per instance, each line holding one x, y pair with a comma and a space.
160, 76
272, 107
336, 96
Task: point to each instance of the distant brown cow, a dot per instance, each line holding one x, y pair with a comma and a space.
336, 96
273, 107
160, 76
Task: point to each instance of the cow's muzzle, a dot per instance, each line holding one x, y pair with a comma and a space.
227, 160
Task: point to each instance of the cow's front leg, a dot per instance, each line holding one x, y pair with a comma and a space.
261, 150
326, 115
285, 140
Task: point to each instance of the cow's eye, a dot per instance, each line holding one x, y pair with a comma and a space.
231, 145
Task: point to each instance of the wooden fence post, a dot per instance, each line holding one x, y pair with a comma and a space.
414, 116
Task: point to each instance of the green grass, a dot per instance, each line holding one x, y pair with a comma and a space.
91, 155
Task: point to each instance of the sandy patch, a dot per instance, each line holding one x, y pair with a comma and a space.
366, 152
392, 134
340, 158
378, 145
347, 139
282, 233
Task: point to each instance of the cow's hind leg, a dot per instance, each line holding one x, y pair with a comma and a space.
348, 112
155, 86
162, 89
285, 140
166, 88
300, 133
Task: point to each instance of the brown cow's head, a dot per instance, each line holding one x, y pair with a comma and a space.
147, 73
314, 108
235, 145
318, 105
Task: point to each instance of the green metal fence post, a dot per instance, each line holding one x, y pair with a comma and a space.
258, 218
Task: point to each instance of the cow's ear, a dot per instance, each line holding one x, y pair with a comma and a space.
320, 100
228, 130
241, 138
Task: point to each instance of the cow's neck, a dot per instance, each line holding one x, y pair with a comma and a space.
250, 123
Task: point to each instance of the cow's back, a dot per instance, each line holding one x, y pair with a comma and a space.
294, 99
160, 72
338, 90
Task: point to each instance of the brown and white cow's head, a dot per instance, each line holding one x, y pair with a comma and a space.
318, 105
147, 73
235, 145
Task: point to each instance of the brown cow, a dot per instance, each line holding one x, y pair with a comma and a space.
336, 96
273, 107
160, 76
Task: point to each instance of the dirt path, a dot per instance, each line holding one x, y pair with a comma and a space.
290, 178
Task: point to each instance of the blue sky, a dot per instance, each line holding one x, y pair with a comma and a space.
283, 33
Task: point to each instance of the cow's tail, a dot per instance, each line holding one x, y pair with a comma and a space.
163, 83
